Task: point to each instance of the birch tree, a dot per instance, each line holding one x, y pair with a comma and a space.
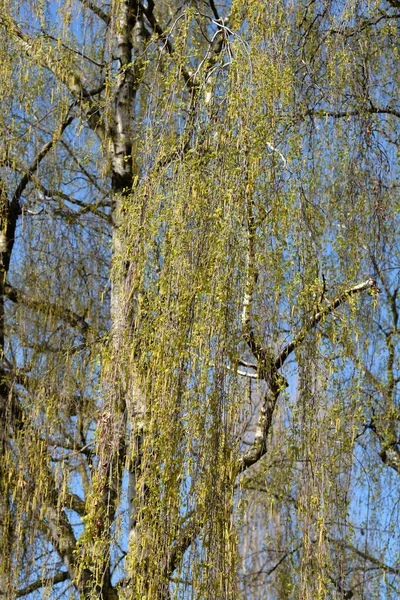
199, 299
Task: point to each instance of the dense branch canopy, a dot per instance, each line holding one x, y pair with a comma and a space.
199, 339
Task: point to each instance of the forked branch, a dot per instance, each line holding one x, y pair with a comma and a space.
276, 382
369, 284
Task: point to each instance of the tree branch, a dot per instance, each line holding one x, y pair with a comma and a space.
366, 556
187, 534
156, 27
79, 53
275, 384
44, 54
84, 170
269, 371
60, 198
390, 455
12, 210
75, 503
65, 314
251, 279
369, 284
52, 518
27, 177
97, 11
340, 114
214, 9
43, 582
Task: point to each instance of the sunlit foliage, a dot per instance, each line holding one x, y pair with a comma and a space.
199, 266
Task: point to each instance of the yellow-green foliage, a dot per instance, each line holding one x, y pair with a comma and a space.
258, 185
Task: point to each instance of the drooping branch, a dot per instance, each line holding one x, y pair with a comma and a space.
193, 83
10, 409
148, 11
213, 51
27, 177
55, 523
51, 517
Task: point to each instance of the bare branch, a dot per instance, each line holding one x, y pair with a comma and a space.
77, 52
82, 167
84, 207
43, 582
65, 314
341, 114
44, 54
12, 209
27, 177
281, 560
246, 374
366, 556
248, 365
214, 9
97, 11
